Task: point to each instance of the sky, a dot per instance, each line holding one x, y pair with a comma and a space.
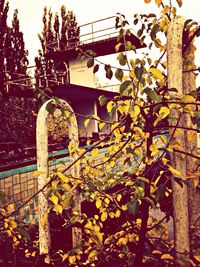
30, 13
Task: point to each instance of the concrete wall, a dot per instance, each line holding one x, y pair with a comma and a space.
20, 184
87, 109
80, 74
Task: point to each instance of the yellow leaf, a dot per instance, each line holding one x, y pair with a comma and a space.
98, 203
147, 1
164, 111
156, 73
10, 207
54, 199
72, 259
174, 171
104, 216
110, 106
112, 164
164, 139
122, 241
44, 220
58, 208
101, 125
192, 263
158, 2
134, 111
164, 64
187, 98
72, 119
63, 177
95, 152
154, 150
197, 257
192, 136
92, 254
119, 197
13, 224
67, 187
118, 213
37, 173
86, 122
67, 113
166, 257
156, 252
107, 200
95, 117
196, 182
164, 161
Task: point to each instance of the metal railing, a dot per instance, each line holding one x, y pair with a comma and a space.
90, 32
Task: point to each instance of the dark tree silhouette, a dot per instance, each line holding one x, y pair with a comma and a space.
59, 33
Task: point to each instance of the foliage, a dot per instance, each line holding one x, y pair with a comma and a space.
14, 80
13, 59
57, 127
58, 33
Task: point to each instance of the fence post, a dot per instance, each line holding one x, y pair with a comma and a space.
42, 166
180, 194
189, 84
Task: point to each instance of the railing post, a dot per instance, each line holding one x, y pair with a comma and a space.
180, 193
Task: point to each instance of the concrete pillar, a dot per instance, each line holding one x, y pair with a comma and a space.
180, 194
42, 166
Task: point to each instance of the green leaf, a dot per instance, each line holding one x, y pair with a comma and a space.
154, 31
108, 70
140, 32
90, 62
138, 72
103, 100
124, 86
133, 206
96, 68
173, 90
51, 108
122, 59
119, 74
150, 201
152, 94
